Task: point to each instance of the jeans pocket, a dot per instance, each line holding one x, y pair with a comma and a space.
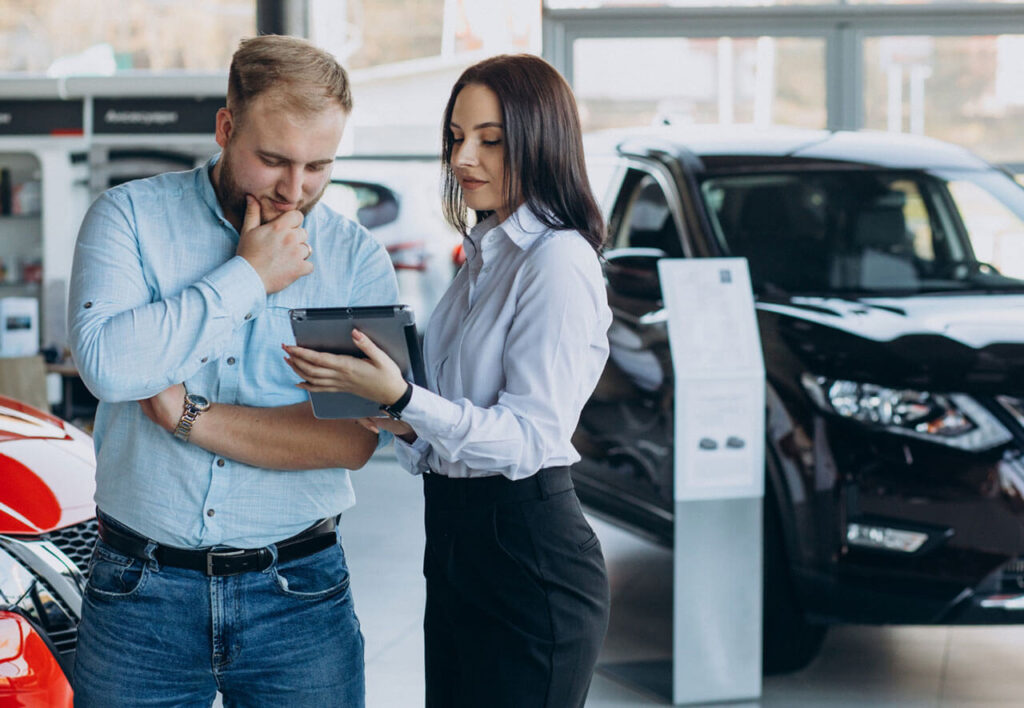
113, 574
314, 577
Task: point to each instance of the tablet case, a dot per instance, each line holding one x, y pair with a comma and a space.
329, 329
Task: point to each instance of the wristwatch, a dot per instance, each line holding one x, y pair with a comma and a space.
194, 405
395, 409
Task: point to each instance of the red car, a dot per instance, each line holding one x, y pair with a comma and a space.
47, 532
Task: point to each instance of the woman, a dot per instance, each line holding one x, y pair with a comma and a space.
517, 595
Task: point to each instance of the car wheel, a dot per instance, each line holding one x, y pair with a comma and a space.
790, 641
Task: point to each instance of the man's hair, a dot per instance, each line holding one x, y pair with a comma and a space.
303, 78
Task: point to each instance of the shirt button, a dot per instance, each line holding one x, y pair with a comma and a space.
248, 315
210, 512
220, 462
231, 361
87, 305
204, 360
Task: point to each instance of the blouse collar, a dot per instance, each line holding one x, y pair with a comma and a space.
521, 228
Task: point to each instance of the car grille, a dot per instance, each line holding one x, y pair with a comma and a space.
1012, 576
76, 542
65, 641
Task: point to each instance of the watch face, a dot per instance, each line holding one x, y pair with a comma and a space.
197, 401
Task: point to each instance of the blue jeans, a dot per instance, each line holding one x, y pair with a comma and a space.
156, 635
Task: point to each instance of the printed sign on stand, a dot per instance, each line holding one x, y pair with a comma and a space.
719, 479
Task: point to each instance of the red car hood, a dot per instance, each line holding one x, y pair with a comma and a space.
47, 471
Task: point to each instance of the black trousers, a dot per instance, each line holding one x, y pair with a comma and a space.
517, 593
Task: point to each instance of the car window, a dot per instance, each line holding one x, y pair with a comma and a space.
372, 205
846, 231
648, 221
996, 232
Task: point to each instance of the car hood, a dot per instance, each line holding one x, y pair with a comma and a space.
47, 471
962, 343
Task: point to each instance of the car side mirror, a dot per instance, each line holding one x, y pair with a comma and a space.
633, 272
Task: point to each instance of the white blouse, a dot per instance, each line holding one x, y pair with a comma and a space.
512, 352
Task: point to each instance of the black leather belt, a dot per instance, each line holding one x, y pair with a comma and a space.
221, 561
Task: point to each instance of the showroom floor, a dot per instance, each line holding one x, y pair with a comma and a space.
859, 666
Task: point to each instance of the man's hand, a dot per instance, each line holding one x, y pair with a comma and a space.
166, 407
399, 428
277, 250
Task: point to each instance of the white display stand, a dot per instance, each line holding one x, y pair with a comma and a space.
719, 479
719, 486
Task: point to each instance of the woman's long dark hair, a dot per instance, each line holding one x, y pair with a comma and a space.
543, 146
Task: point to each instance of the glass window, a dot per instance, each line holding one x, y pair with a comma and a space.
963, 89
648, 218
368, 33
591, 4
871, 231
996, 231
92, 37
916, 219
643, 81
370, 204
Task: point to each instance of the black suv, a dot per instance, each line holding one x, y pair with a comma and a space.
889, 281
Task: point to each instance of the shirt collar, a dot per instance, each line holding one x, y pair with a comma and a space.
204, 184
521, 228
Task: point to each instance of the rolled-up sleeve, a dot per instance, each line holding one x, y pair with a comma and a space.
127, 344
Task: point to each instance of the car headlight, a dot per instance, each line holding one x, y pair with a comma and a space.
22, 591
15, 581
1015, 406
955, 420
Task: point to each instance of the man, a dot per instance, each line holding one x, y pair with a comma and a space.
218, 565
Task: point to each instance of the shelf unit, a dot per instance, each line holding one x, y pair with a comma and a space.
21, 227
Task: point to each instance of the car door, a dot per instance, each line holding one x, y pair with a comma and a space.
625, 431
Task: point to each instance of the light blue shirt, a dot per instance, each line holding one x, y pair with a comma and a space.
513, 351
159, 297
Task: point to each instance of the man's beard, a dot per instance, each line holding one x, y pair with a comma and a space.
232, 196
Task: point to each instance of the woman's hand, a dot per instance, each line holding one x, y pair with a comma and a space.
377, 377
165, 408
396, 427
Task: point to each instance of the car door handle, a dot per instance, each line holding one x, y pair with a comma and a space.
654, 318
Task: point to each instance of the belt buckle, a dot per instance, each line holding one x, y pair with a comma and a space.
210, 555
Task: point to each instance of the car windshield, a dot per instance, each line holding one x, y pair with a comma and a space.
872, 232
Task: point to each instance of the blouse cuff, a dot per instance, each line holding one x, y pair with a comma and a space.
429, 414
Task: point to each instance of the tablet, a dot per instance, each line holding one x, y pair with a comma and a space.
329, 329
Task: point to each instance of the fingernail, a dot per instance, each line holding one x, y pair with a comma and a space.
356, 334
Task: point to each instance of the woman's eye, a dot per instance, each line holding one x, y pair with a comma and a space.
491, 142
456, 140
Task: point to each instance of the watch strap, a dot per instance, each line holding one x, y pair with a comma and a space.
395, 409
189, 413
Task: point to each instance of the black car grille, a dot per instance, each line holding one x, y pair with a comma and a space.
1012, 576
65, 641
76, 542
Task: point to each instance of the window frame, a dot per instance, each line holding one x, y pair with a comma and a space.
843, 27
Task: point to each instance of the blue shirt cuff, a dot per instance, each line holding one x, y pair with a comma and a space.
239, 289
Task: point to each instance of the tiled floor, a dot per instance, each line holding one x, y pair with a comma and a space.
909, 667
